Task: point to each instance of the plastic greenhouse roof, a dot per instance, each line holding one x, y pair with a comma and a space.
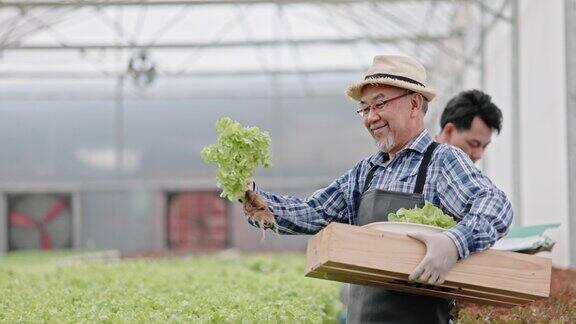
183, 39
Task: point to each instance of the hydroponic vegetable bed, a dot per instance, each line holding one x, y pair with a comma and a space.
36, 288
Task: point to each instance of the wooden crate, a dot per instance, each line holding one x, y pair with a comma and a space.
364, 256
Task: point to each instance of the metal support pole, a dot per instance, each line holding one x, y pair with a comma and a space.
516, 125
119, 126
483, 33
76, 221
151, 3
119, 102
276, 93
570, 35
482, 67
340, 41
3, 223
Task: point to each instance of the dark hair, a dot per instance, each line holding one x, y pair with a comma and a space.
462, 109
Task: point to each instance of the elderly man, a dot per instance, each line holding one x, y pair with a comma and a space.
408, 169
468, 122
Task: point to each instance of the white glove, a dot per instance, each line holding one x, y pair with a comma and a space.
441, 255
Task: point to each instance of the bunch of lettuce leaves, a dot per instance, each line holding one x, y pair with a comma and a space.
239, 151
427, 215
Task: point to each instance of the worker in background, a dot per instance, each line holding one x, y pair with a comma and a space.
468, 122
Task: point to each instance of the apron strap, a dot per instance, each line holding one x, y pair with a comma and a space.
423, 169
369, 177
370, 174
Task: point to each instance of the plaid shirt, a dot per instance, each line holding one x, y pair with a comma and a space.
453, 183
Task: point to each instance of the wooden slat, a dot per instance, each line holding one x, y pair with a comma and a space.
403, 279
351, 254
390, 282
410, 289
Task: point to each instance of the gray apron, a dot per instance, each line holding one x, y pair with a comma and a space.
376, 305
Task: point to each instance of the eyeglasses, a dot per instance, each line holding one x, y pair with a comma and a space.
365, 111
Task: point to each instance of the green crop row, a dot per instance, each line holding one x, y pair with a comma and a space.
40, 288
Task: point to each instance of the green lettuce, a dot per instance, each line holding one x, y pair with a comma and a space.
239, 151
427, 215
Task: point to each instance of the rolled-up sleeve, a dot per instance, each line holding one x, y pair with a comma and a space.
484, 210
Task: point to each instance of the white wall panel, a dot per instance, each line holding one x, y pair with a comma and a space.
498, 160
543, 111
543, 141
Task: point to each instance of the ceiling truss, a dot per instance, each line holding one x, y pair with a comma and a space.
368, 16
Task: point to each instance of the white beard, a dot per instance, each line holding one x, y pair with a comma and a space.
386, 144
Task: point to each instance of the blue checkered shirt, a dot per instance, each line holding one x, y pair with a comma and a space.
453, 183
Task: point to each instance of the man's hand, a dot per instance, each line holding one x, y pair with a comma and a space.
253, 204
257, 209
441, 255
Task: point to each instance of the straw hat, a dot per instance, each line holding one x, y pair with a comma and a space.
398, 71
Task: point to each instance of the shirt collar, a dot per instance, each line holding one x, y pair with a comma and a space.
419, 144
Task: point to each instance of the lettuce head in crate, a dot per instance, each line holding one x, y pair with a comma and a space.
427, 215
